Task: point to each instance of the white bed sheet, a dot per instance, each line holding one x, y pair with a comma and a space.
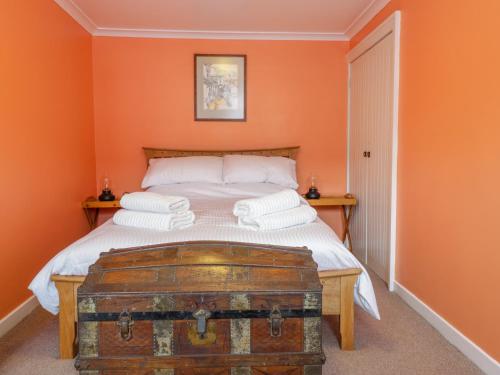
212, 205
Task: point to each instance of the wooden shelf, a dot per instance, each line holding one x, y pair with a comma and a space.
92, 205
95, 203
347, 203
333, 201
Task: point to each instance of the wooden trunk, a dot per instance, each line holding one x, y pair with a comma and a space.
201, 308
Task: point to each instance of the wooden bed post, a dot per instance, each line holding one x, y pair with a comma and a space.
67, 286
338, 299
347, 311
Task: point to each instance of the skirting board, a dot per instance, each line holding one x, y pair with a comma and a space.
19, 313
477, 355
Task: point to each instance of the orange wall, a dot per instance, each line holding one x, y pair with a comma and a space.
46, 146
144, 97
449, 158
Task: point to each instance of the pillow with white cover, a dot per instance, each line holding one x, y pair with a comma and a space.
251, 168
165, 171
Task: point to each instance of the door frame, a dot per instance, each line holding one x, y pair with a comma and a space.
391, 25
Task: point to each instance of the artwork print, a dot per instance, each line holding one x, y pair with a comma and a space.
220, 86
220, 92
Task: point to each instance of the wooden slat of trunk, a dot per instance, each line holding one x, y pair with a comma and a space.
202, 267
292, 359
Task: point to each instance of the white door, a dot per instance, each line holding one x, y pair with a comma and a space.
372, 146
358, 136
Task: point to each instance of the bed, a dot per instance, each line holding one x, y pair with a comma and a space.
344, 279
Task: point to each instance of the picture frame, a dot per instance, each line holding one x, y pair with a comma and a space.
220, 83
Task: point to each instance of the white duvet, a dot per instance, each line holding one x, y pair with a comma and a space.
212, 205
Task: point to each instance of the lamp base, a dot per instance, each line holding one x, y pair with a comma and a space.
313, 193
106, 196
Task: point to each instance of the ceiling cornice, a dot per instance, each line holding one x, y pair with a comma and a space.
364, 17
201, 34
78, 15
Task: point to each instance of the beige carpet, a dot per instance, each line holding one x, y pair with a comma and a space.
401, 343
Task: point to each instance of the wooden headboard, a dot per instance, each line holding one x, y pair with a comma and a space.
287, 152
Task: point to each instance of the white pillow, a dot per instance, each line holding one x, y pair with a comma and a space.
164, 171
250, 168
244, 168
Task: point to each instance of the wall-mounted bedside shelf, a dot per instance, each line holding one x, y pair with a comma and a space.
347, 202
91, 208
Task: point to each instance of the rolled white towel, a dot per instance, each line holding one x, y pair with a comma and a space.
254, 207
154, 220
182, 220
296, 216
152, 202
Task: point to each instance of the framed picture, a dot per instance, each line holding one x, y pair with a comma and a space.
220, 87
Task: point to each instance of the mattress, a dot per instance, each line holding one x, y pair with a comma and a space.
212, 205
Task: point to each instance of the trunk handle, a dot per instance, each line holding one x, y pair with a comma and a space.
275, 322
125, 323
201, 315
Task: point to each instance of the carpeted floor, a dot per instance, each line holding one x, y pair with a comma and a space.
401, 343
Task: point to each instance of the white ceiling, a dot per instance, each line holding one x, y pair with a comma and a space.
225, 19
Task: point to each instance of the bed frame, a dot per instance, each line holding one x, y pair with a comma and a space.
338, 285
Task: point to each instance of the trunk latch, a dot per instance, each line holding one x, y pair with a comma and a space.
125, 323
201, 316
275, 322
